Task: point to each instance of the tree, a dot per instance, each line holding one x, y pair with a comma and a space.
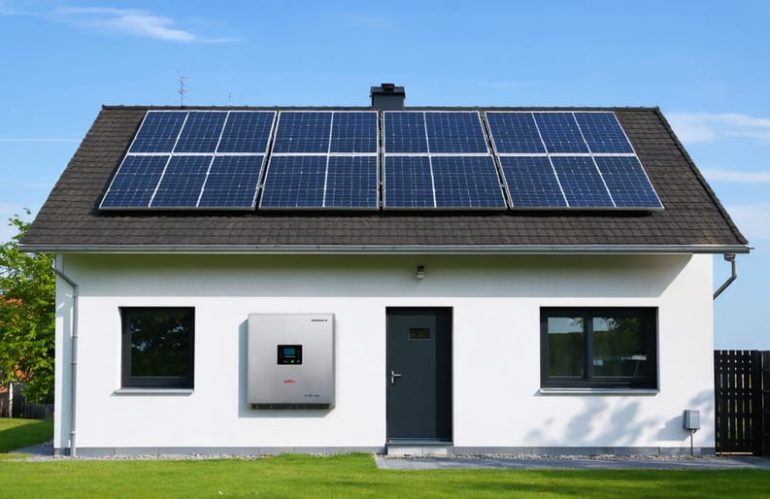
27, 307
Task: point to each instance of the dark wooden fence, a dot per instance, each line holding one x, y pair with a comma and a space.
742, 391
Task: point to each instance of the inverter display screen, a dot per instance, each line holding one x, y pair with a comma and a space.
289, 354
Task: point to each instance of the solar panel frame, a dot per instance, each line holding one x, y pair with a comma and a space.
325, 138
420, 137
143, 125
170, 155
588, 131
328, 155
209, 179
524, 200
610, 168
433, 139
145, 192
425, 130
426, 202
551, 155
178, 190
199, 136
579, 174
536, 139
263, 152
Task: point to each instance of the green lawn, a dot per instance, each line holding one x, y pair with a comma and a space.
17, 433
354, 476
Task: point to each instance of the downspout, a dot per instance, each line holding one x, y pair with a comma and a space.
729, 257
73, 352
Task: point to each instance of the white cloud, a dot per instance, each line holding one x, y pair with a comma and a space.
752, 219
128, 21
744, 177
708, 127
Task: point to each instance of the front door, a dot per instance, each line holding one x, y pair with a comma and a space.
419, 374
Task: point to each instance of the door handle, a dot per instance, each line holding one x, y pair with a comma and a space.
393, 376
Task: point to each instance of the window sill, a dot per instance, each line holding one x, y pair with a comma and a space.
599, 391
153, 391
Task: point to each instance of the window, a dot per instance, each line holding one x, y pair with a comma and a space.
598, 347
158, 347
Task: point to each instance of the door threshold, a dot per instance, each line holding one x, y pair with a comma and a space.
418, 441
418, 448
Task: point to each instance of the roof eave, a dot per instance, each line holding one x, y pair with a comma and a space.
390, 249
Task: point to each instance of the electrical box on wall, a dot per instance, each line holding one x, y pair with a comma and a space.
291, 361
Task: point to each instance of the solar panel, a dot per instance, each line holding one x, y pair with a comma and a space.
405, 132
247, 132
603, 133
627, 182
581, 182
201, 132
294, 182
158, 132
303, 132
408, 182
232, 182
455, 132
466, 182
560, 133
532, 182
182, 181
354, 132
135, 182
514, 133
351, 182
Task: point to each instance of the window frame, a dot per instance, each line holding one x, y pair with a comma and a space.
160, 382
649, 316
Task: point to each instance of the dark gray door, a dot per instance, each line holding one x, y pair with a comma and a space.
419, 374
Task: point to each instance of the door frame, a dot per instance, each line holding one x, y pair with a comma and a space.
449, 311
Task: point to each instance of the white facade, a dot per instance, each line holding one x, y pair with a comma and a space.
495, 301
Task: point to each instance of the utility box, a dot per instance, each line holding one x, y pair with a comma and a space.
290, 361
691, 420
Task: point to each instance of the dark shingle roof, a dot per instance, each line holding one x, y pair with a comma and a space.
693, 219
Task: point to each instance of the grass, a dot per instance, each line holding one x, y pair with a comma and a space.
18, 433
354, 476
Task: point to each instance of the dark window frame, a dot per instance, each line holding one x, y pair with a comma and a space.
130, 381
649, 316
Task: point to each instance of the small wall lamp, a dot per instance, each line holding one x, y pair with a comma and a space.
420, 272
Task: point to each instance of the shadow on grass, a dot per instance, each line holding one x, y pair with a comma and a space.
19, 433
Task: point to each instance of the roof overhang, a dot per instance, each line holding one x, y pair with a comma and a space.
385, 249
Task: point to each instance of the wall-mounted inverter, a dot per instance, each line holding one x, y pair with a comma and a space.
291, 361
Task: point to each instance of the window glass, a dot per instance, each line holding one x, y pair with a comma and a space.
158, 347
619, 347
587, 347
565, 346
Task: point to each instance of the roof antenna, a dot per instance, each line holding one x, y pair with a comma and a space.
229, 99
182, 88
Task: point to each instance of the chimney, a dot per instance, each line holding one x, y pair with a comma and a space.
387, 97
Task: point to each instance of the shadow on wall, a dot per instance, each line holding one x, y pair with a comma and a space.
244, 408
591, 429
377, 275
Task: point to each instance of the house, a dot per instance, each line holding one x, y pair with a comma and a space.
261, 280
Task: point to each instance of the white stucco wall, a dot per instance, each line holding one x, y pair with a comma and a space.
496, 303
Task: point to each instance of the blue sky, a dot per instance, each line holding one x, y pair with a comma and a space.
704, 63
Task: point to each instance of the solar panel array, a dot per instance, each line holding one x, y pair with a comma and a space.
568, 160
195, 159
323, 159
438, 159
431, 159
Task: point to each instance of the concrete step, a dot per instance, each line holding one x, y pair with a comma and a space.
418, 450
